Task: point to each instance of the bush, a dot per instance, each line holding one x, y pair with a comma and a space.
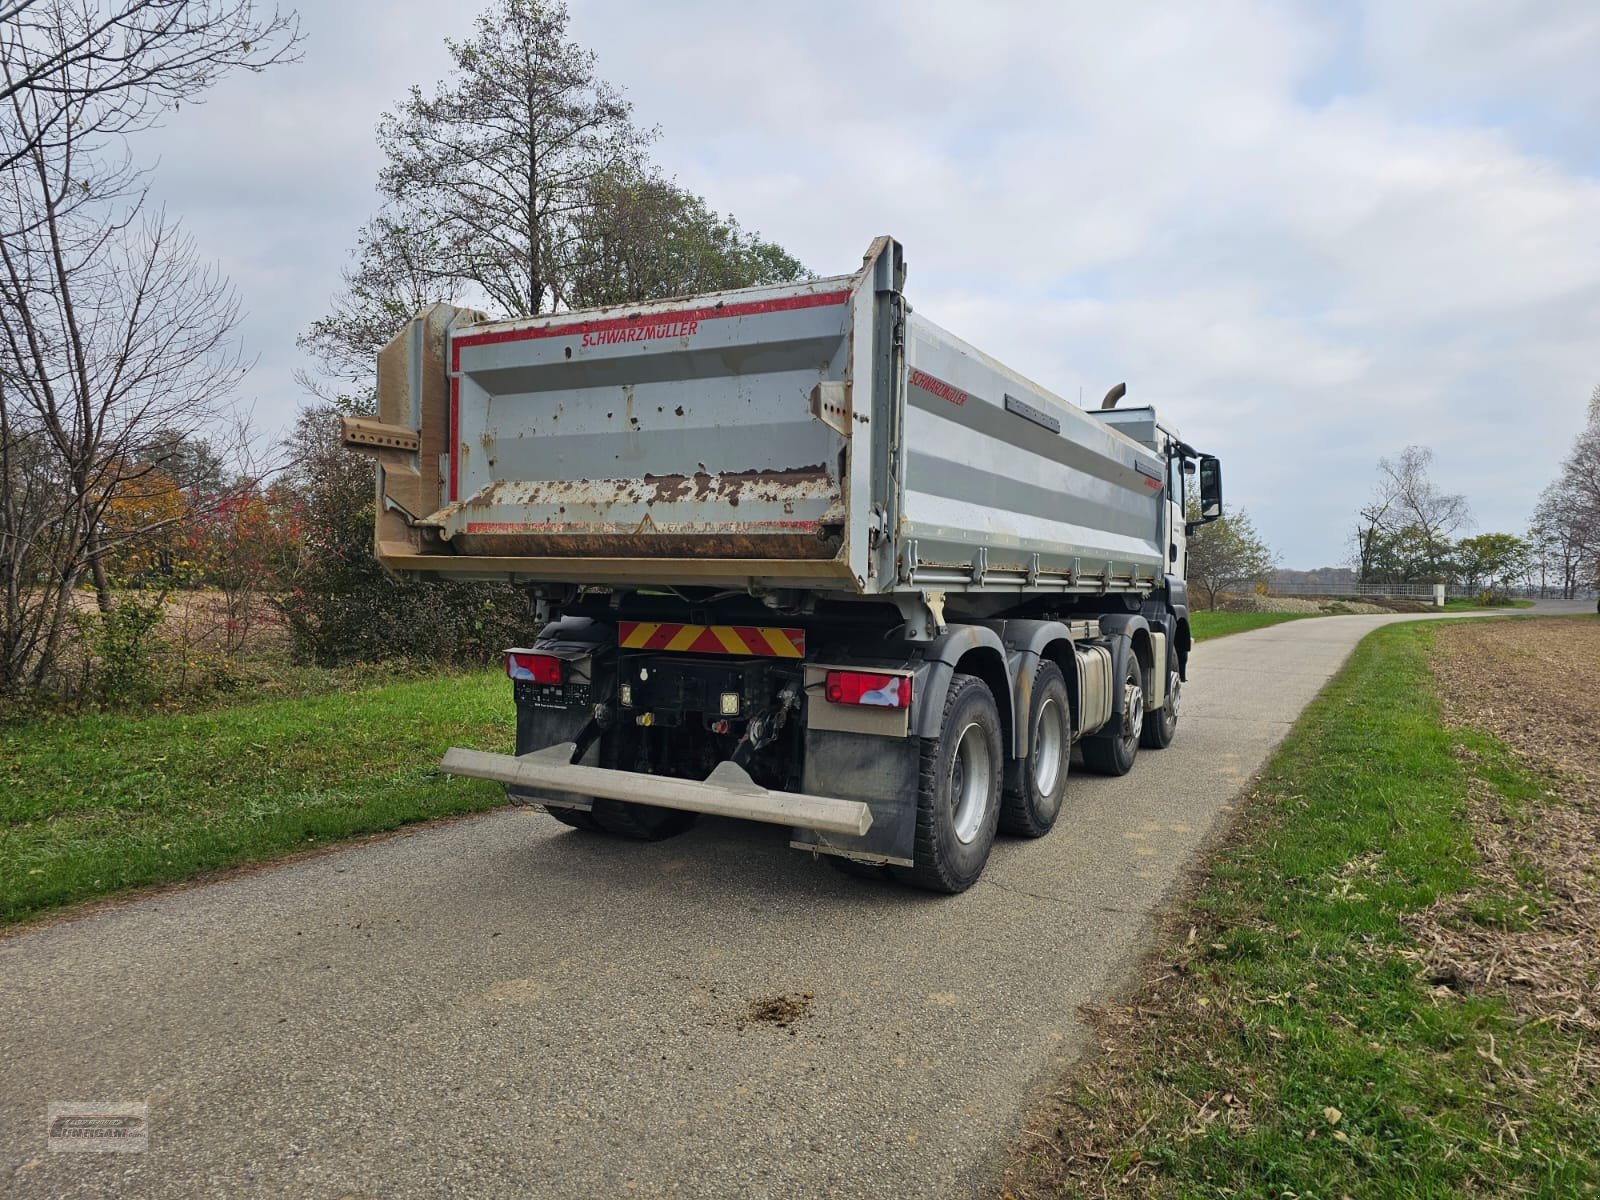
1493, 598
341, 607
122, 646
346, 614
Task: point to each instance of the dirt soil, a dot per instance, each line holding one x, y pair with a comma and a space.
1254, 602
1534, 685
782, 1011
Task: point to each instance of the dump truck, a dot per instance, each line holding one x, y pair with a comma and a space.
799, 556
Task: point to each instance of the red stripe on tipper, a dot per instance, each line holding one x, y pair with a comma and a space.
643, 326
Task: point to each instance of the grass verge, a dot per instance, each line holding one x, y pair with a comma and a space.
94, 805
1289, 1042
1203, 625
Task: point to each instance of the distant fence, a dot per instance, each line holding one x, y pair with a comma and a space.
1411, 591
1415, 591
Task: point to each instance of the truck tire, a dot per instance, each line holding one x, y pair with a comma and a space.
623, 821
1113, 752
644, 822
1161, 726
575, 817
958, 793
1031, 806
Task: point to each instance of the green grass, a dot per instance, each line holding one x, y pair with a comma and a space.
94, 805
1296, 995
1203, 625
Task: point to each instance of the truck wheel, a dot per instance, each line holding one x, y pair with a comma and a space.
1161, 725
1031, 806
1112, 752
576, 817
646, 822
958, 797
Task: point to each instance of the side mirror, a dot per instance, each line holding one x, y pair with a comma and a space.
1210, 488
1210, 492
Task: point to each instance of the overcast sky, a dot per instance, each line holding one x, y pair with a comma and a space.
1309, 234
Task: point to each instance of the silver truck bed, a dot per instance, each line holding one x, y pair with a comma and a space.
814, 435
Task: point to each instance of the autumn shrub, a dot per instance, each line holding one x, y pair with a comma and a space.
339, 605
245, 544
123, 646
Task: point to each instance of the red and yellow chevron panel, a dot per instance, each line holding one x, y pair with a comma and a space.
711, 639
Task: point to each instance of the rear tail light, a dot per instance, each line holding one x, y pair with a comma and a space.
868, 688
535, 668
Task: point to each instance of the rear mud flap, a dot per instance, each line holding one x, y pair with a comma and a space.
880, 773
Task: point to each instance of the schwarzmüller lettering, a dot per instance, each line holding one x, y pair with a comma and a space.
937, 387
644, 331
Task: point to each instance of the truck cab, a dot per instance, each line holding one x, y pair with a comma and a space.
1184, 462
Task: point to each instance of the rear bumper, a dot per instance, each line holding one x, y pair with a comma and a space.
727, 792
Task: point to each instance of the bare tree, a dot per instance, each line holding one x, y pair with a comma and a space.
1565, 529
1580, 489
398, 271
500, 163
1405, 531
114, 329
120, 64
1566, 545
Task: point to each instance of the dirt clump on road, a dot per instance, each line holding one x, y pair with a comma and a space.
1530, 929
782, 1011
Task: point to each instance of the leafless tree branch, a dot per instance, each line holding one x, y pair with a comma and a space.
115, 328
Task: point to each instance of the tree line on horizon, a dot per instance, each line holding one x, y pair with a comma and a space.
1411, 532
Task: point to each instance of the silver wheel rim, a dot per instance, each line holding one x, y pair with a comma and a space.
1132, 714
969, 783
1174, 698
1049, 749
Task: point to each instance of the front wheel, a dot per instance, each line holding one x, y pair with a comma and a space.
1113, 751
958, 794
1161, 725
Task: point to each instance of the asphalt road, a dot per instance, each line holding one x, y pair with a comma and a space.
501, 1006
